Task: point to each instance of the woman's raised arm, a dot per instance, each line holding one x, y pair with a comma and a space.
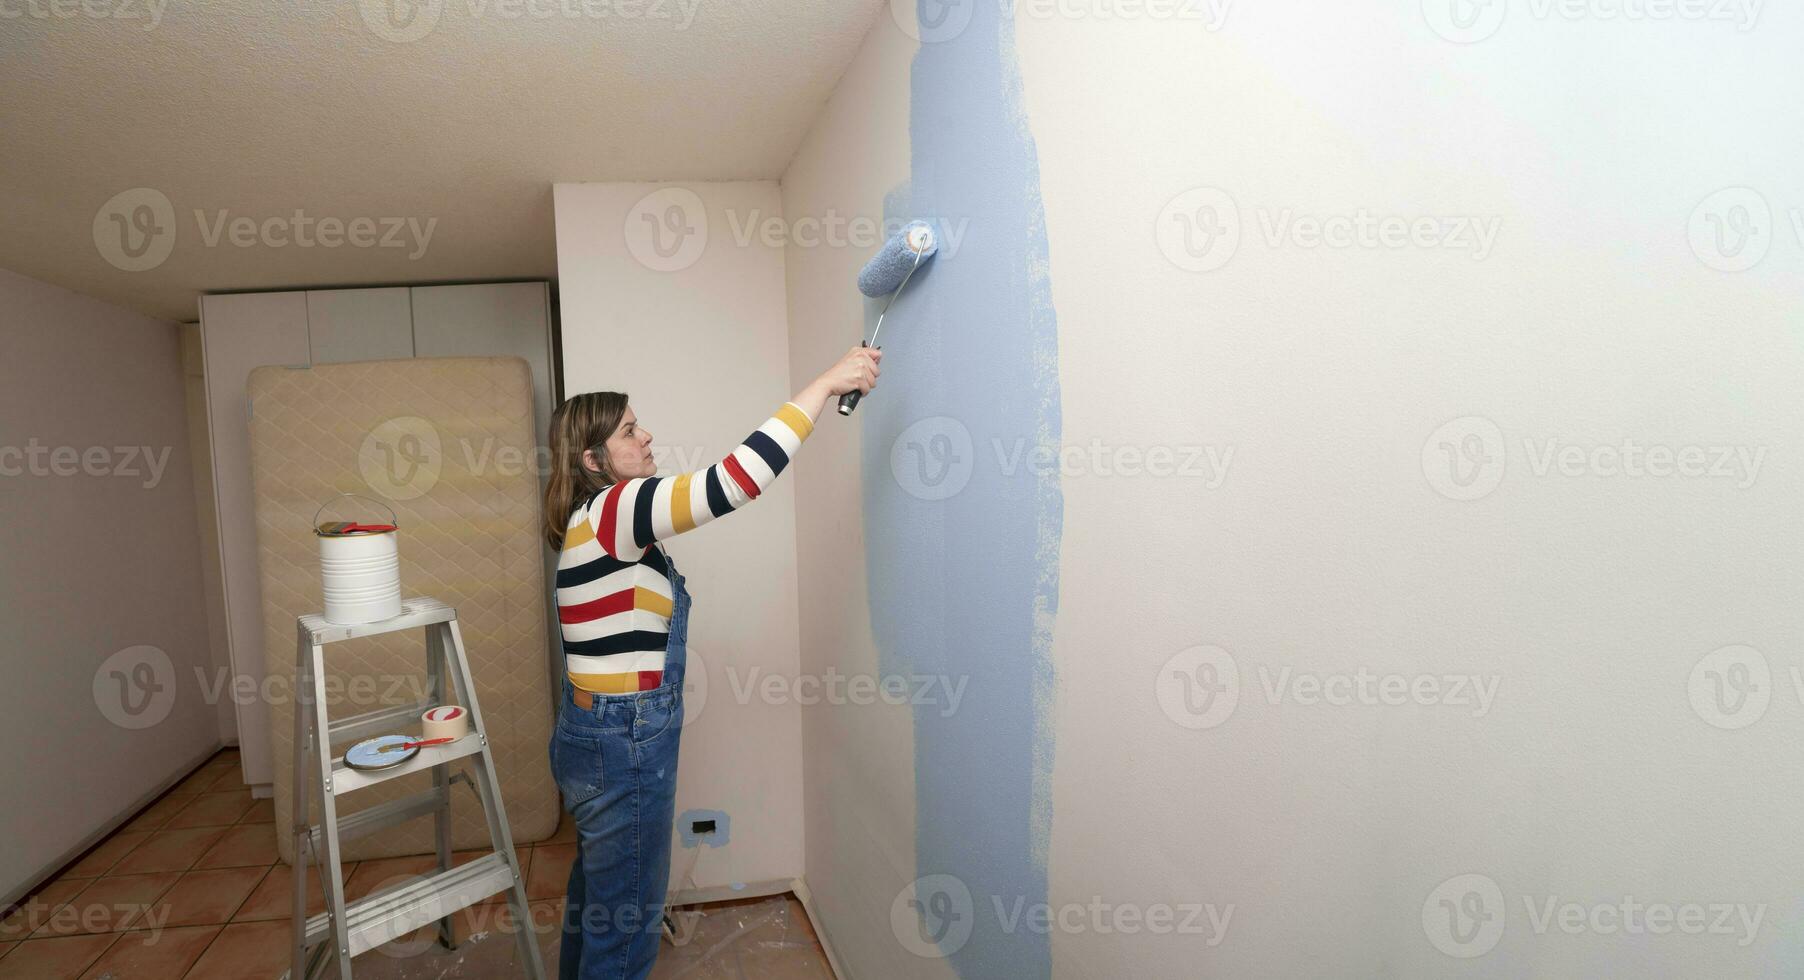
628, 516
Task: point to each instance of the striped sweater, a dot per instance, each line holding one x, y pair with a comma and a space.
613, 585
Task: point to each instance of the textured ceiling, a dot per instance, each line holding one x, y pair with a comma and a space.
447, 118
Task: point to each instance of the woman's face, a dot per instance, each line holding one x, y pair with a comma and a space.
628, 450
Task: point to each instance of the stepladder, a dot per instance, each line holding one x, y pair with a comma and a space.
344, 929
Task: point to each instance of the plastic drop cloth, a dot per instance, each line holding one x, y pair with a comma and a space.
748, 939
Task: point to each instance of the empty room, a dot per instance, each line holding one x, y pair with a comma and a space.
868, 489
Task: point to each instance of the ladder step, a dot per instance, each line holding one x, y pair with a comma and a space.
415, 612
372, 819
397, 911
347, 780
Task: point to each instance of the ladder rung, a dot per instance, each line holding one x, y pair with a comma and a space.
382, 721
372, 819
415, 612
346, 780
397, 911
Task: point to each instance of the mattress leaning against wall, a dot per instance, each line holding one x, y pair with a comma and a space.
448, 444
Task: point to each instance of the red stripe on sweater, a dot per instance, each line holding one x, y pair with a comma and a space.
609, 507
651, 680
607, 605
740, 477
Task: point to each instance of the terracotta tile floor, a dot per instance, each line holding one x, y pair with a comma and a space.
200, 864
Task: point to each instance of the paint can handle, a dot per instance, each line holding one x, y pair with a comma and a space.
393, 518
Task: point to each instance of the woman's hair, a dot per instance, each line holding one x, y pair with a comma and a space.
582, 422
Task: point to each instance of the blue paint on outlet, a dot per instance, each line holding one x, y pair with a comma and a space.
711, 827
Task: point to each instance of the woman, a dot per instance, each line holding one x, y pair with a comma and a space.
624, 614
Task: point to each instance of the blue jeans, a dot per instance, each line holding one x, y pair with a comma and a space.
615, 764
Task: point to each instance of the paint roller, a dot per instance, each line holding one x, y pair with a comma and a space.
887, 272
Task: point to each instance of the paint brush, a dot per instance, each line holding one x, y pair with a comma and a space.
404, 746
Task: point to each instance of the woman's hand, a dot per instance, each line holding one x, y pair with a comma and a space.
857, 371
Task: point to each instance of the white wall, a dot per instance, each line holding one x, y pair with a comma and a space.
700, 346
1589, 599
859, 770
1332, 544
105, 630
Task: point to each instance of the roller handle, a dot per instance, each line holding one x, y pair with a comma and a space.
849, 400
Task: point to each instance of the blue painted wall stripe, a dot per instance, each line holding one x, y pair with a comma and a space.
962, 546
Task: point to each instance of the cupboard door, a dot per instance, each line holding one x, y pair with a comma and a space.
240, 332
359, 324
200, 451
494, 319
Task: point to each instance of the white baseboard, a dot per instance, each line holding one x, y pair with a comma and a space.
806, 897
727, 893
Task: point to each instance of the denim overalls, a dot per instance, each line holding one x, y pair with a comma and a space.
615, 764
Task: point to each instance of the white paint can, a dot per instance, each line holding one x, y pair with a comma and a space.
360, 568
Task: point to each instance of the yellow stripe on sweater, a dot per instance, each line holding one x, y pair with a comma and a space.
625, 683
646, 599
680, 516
581, 533
796, 419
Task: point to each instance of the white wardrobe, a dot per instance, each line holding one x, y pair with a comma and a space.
242, 331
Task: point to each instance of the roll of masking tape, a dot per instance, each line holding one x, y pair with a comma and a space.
445, 721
